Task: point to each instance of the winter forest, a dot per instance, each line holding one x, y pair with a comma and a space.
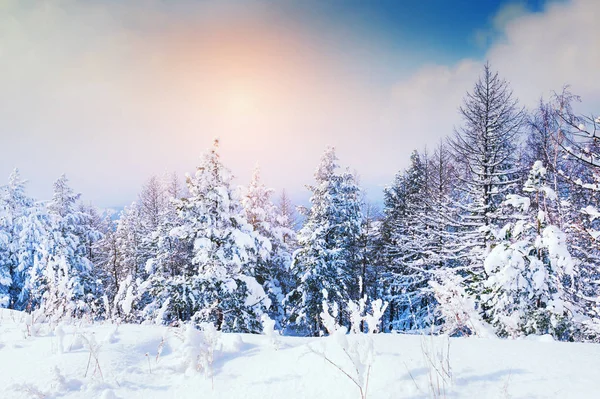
490, 232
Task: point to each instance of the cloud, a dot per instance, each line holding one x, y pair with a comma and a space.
544, 51
498, 22
538, 54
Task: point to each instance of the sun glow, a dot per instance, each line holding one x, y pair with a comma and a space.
240, 102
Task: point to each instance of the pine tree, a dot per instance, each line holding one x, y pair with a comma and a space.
288, 216
442, 215
5, 275
130, 236
369, 258
14, 205
327, 262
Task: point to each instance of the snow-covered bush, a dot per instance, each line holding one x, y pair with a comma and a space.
123, 302
355, 349
456, 308
232, 305
198, 348
436, 356
270, 331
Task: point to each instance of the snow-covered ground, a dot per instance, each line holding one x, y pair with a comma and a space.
124, 363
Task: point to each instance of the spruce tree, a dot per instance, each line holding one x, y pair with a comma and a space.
24, 233
68, 283
272, 272
217, 283
327, 262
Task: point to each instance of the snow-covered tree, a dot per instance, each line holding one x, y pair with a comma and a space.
328, 258
141, 245
288, 216
13, 207
485, 151
23, 235
485, 155
270, 223
530, 267
407, 241
68, 284
369, 252
580, 169
217, 284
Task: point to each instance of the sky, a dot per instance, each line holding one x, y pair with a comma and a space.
113, 92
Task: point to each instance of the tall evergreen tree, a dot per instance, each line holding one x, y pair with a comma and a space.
265, 218
326, 263
69, 287
580, 169
218, 282
23, 232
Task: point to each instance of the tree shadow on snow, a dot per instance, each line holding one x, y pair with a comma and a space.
222, 357
494, 376
419, 377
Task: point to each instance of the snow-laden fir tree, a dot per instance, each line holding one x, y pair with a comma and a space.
446, 254
108, 264
288, 216
217, 284
171, 254
67, 282
13, 206
328, 257
156, 250
140, 244
530, 268
5, 274
264, 216
23, 235
443, 211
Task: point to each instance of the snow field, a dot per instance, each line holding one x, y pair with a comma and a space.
150, 361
